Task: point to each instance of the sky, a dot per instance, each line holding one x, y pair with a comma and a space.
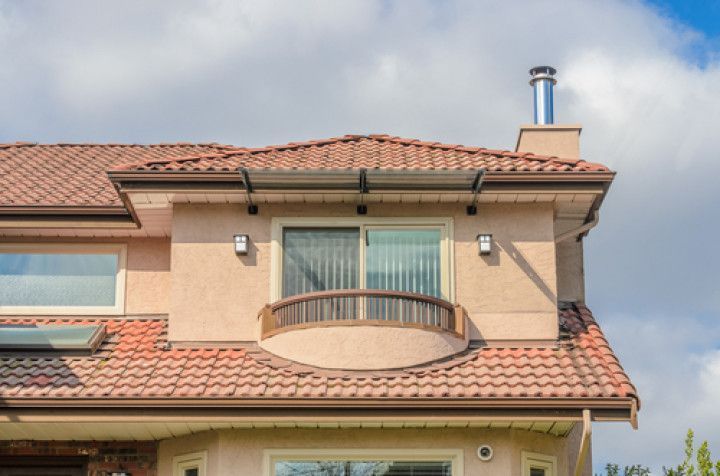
642, 78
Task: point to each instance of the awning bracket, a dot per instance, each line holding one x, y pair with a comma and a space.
252, 208
477, 184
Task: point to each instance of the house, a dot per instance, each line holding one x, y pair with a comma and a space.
358, 305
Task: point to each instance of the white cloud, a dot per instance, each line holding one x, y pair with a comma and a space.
259, 72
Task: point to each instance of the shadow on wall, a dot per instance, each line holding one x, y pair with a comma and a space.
509, 248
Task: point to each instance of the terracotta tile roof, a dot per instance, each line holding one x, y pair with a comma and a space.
74, 174
368, 151
133, 362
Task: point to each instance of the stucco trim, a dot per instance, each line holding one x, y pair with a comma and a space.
532, 460
454, 455
197, 460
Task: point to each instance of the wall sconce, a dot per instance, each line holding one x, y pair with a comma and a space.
484, 244
241, 244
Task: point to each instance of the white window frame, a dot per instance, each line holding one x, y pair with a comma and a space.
119, 249
444, 224
190, 461
532, 460
455, 456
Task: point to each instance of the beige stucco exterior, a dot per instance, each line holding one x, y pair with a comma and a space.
510, 294
243, 452
148, 276
555, 140
570, 271
336, 347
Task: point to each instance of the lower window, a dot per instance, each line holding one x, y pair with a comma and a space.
192, 464
535, 464
365, 463
364, 468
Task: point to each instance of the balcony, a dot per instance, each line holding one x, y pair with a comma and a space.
362, 328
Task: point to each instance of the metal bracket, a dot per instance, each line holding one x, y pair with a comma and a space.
362, 208
477, 184
252, 208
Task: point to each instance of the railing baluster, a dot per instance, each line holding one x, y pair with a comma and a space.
352, 304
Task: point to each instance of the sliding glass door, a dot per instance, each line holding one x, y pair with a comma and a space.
320, 259
403, 260
368, 256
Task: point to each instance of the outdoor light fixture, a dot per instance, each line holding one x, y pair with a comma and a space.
485, 244
241, 244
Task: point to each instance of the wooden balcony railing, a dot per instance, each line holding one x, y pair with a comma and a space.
361, 306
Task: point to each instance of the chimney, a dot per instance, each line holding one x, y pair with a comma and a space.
543, 80
544, 137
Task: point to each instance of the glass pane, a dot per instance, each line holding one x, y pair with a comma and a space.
44, 279
404, 260
191, 472
537, 472
49, 337
318, 259
363, 468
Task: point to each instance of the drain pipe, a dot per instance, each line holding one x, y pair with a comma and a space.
584, 442
579, 230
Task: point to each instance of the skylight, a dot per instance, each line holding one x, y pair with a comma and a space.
51, 338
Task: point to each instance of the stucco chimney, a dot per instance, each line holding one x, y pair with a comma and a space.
544, 137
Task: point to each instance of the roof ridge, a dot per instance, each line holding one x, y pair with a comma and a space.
473, 150
219, 145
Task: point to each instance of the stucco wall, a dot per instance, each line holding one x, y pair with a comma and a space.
215, 295
148, 276
337, 346
240, 452
570, 271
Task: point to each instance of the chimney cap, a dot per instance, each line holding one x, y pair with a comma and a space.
542, 72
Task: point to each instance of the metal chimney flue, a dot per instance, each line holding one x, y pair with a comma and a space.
543, 82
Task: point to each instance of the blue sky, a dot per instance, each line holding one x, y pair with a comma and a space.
702, 15
643, 79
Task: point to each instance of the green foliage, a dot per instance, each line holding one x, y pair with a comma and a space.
696, 463
634, 470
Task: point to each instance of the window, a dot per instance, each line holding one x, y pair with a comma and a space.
370, 468
192, 464
429, 462
535, 464
391, 254
51, 338
62, 279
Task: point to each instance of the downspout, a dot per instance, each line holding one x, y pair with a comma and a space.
584, 442
585, 227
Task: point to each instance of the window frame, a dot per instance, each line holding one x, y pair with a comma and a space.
455, 456
532, 461
444, 224
119, 249
186, 461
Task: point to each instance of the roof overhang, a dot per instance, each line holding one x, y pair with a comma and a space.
163, 418
346, 179
40, 216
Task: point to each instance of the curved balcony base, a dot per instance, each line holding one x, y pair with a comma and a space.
363, 345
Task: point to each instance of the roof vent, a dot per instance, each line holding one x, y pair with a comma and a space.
542, 82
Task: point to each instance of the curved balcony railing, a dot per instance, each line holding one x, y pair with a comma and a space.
361, 307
